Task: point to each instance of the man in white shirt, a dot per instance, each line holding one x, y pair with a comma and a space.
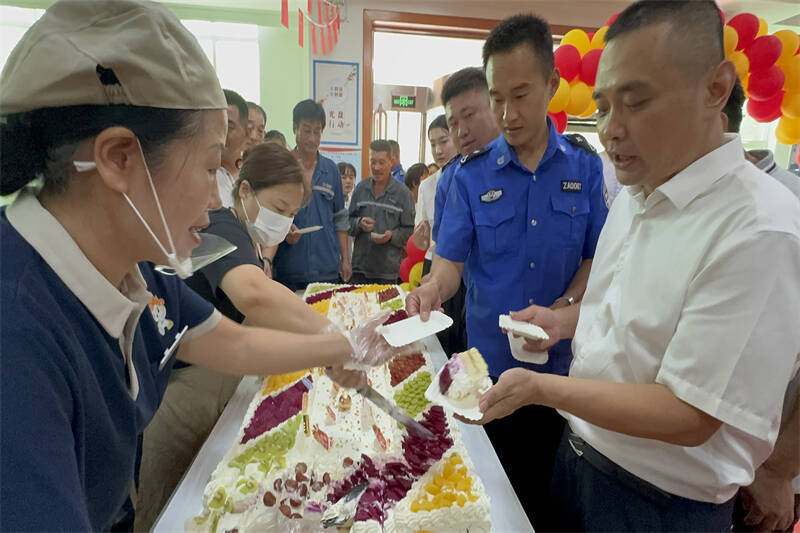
235, 141
443, 150
687, 334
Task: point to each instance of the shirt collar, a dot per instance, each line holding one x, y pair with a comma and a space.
503, 154
766, 161
48, 237
698, 177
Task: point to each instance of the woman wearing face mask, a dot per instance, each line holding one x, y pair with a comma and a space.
126, 146
267, 195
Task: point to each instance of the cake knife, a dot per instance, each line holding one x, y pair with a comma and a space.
385, 405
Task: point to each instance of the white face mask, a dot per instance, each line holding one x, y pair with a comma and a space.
181, 267
269, 228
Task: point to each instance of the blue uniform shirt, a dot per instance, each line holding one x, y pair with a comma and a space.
399, 174
521, 235
79, 372
317, 255
442, 189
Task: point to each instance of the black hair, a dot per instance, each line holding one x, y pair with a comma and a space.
259, 108
462, 81
275, 135
235, 99
696, 24
308, 110
414, 174
522, 29
395, 147
43, 141
345, 166
380, 145
733, 107
439, 122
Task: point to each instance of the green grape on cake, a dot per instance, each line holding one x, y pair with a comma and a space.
411, 398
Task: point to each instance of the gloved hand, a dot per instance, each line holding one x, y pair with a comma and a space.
369, 346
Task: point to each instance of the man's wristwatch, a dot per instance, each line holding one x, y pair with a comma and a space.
569, 299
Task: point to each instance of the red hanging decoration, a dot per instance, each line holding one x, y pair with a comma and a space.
309, 7
321, 28
300, 31
313, 30
285, 13
328, 31
335, 24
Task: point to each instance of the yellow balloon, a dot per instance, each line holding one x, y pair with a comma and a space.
790, 106
763, 27
788, 131
415, 275
599, 38
580, 95
792, 71
791, 41
578, 39
742, 64
561, 98
731, 37
589, 110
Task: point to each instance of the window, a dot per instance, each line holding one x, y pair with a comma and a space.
233, 50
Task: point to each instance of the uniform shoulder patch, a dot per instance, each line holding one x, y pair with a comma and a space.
578, 140
474, 155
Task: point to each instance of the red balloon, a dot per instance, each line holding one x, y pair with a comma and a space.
766, 110
764, 52
405, 269
589, 66
560, 120
722, 16
568, 61
413, 252
746, 25
611, 19
590, 35
765, 83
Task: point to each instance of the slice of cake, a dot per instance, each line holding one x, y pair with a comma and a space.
464, 378
350, 309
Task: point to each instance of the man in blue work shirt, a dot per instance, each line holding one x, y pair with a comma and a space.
522, 219
321, 255
398, 172
465, 97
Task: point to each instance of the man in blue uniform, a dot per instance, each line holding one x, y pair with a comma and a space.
321, 255
465, 97
398, 172
522, 220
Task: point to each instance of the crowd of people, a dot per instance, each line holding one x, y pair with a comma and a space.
664, 270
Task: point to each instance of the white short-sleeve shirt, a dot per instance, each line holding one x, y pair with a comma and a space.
225, 184
697, 287
426, 199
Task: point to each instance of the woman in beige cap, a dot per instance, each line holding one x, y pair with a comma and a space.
114, 109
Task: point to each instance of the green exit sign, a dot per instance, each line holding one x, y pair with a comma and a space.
404, 102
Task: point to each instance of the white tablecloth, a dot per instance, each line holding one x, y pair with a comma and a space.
186, 501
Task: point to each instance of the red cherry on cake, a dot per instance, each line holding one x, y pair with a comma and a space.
269, 499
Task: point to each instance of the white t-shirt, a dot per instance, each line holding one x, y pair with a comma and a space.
225, 183
612, 186
426, 200
696, 287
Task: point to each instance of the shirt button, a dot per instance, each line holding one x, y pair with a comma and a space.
533, 265
533, 222
573, 208
530, 301
534, 177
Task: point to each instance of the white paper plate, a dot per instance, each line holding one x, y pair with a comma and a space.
376, 235
309, 229
468, 409
521, 354
414, 329
525, 329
